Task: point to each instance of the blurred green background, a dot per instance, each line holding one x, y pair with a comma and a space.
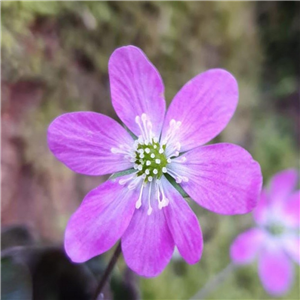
54, 60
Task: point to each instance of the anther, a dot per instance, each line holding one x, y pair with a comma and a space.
158, 161
152, 155
155, 171
148, 163
147, 150
161, 151
150, 178
164, 169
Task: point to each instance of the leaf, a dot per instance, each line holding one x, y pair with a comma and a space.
122, 173
15, 280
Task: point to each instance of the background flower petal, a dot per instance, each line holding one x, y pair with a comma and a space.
291, 210
282, 185
147, 243
100, 221
136, 88
223, 178
245, 247
204, 105
261, 211
83, 142
292, 247
183, 225
275, 271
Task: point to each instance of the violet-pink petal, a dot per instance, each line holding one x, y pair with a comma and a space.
262, 210
275, 270
204, 106
246, 246
83, 142
282, 185
147, 243
136, 88
292, 248
291, 210
100, 221
223, 178
183, 225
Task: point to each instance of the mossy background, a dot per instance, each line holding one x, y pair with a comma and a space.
54, 60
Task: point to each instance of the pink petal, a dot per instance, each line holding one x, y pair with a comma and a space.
291, 210
260, 213
100, 221
183, 225
136, 88
204, 106
282, 185
147, 243
223, 178
292, 247
275, 271
83, 142
246, 246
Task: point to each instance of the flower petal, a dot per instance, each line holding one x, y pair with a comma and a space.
292, 247
261, 211
282, 185
183, 225
100, 221
147, 243
291, 210
275, 271
246, 246
204, 107
223, 178
136, 88
83, 142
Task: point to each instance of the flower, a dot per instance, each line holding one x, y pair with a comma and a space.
143, 208
275, 239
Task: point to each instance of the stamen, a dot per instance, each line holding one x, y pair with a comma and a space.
148, 163
152, 155
149, 200
161, 197
138, 203
155, 171
158, 161
178, 178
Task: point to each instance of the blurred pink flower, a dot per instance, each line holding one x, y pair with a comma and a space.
276, 239
143, 208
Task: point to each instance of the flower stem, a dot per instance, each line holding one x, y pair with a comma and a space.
107, 272
214, 282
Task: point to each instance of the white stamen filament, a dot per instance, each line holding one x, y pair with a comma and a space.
178, 178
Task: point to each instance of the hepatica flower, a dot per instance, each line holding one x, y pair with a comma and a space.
143, 208
275, 240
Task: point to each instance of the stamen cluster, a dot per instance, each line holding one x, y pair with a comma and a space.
150, 160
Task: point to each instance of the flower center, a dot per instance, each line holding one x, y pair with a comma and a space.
150, 160
276, 229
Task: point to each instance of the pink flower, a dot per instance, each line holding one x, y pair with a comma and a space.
143, 208
275, 240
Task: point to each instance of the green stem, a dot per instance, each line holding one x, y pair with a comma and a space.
214, 282
107, 272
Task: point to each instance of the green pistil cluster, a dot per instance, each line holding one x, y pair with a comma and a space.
150, 161
276, 229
